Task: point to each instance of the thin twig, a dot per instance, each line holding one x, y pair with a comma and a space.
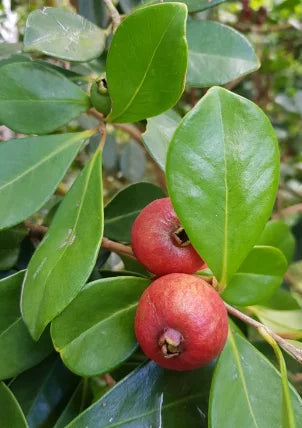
130, 130
291, 349
113, 12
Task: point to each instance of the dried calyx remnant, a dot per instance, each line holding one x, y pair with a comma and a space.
180, 237
170, 343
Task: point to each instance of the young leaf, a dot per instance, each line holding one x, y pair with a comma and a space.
158, 135
66, 256
35, 99
287, 323
10, 241
62, 34
257, 278
18, 351
147, 62
223, 163
95, 332
278, 234
218, 54
125, 206
25, 164
151, 396
11, 415
44, 391
245, 375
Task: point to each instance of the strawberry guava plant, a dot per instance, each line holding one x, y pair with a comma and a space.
204, 246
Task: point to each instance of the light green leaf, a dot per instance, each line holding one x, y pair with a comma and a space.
11, 415
278, 234
152, 396
147, 84
158, 134
66, 256
10, 241
245, 377
25, 163
35, 99
125, 206
222, 175
95, 332
257, 278
62, 34
9, 49
218, 54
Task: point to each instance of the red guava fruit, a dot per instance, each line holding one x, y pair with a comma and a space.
181, 322
160, 243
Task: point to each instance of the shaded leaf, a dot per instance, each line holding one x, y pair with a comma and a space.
133, 161
10, 241
147, 84
95, 332
9, 49
223, 156
66, 256
278, 234
62, 34
93, 10
35, 99
11, 415
25, 163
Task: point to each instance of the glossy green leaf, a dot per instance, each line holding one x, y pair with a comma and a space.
278, 234
222, 175
146, 84
123, 209
44, 391
18, 351
257, 278
287, 323
35, 99
25, 163
217, 54
151, 396
95, 332
10, 241
159, 132
245, 377
66, 256
11, 415
62, 34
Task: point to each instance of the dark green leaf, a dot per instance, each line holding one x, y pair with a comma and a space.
10, 241
67, 254
158, 135
62, 34
95, 332
257, 278
123, 209
278, 234
152, 396
25, 163
146, 84
18, 351
35, 99
93, 10
223, 163
245, 377
218, 54
11, 415
44, 391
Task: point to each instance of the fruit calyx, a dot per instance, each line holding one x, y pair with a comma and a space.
170, 343
180, 237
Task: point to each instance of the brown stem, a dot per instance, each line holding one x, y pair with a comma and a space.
294, 209
115, 16
129, 129
291, 349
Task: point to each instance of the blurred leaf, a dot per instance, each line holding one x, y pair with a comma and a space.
147, 84
18, 352
11, 415
9, 49
134, 266
35, 99
193, 5
10, 241
278, 234
133, 161
211, 173
291, 104
62, 34
95, 332
93, 10
158, 134
286, 323
281, 300
25, 163
245, 377
257, 278
295, 275
44, 391
217, 54
125, 206
67, 254
152, 396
